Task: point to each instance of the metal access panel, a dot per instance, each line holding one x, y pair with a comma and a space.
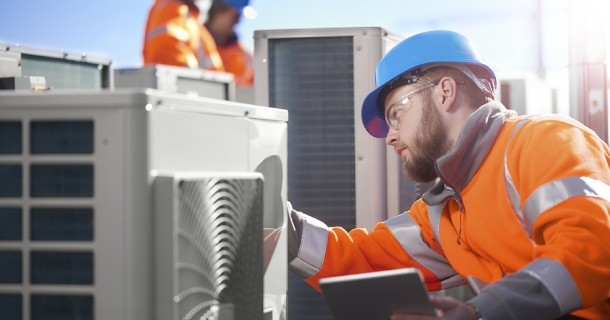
76, 199
209, 233
204, 83
60, 69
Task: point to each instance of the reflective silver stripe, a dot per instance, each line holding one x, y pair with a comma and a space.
434, 214
453, 281
556, 278
155, 32
513, 195
313, 247
205, 61
408, 234
162, 29
555, 192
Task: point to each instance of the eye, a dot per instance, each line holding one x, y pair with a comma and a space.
392, 112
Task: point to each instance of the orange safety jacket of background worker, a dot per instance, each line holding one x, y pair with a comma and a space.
523, 204
174, 36
237, 61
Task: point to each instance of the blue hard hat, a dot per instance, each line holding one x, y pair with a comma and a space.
413, 55
237, 4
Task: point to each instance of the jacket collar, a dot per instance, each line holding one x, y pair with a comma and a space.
459, 165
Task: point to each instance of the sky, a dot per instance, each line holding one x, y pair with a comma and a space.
509, 33
114, 28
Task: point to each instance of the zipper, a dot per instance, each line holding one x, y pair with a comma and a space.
458, 199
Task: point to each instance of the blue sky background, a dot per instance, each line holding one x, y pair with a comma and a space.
114, 28
506, 31
526, 40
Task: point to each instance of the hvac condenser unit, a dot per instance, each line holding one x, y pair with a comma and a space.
337, 171
204, 83
526, 93
27, 68
139, 204
321, 76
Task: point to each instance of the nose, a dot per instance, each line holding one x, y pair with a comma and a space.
392, 137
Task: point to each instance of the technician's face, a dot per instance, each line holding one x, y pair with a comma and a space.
418, 137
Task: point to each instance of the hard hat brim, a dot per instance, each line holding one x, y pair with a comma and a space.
372, 118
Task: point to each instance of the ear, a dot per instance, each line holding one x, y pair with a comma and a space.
448, 93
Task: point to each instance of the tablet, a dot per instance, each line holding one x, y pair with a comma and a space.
377, 295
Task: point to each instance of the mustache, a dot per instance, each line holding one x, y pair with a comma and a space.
400, 145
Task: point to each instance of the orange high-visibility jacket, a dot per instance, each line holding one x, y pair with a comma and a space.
174, 36
237, 61
523, 204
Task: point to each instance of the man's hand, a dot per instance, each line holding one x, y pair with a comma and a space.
448, 308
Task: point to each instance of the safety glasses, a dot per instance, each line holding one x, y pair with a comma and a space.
395, 111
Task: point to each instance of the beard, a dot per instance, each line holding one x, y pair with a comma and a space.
430, 143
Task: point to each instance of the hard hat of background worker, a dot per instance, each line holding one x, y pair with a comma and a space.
239, 5
407, 60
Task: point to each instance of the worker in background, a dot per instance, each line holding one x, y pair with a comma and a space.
223, 16
174, 36
523, 202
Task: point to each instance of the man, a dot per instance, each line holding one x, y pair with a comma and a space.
223, 16
174, 36
523, 203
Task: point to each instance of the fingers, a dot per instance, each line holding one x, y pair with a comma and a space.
444, 303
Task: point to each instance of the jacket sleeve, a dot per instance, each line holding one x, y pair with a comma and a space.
239, 62
168, 37
317, 251
560, 171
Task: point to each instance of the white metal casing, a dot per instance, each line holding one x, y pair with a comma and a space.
204, 83
138, 133
61, 69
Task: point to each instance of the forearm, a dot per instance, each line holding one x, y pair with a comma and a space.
542, 290
316, 250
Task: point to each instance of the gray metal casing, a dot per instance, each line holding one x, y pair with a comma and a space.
337, 172
369, 44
